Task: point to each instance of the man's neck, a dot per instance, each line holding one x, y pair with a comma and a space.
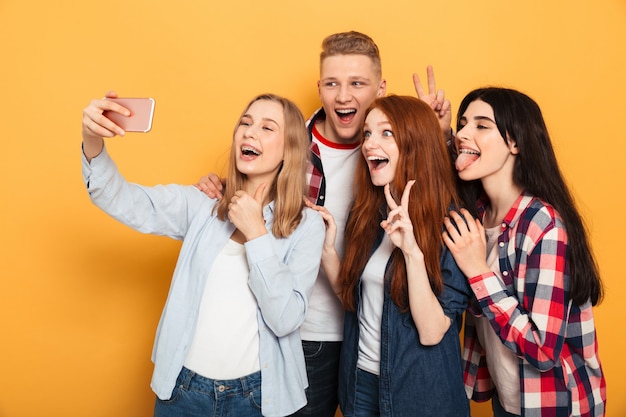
330, 136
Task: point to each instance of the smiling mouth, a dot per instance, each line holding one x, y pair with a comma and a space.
377, 162
345, 115
249, 151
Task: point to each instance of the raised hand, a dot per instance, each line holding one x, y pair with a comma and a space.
467, 242
398, 224
246, 212
436, 99
96, 126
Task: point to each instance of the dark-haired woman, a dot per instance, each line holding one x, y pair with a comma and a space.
530, 341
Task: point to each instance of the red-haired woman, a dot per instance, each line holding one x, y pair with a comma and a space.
403, 293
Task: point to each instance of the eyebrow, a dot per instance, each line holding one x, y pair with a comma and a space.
266, 119
480, 118
381, 123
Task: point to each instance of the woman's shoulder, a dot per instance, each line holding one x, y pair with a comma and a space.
541, 213
312, 217
537, 219
311, 226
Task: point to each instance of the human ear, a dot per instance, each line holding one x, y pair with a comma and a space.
382, 88
512, 144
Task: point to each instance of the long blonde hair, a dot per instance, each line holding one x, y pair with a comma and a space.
289, 186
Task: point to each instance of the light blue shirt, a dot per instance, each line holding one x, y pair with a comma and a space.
282, 274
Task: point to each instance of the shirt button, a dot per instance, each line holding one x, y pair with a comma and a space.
505, 273
266, 365
504, 225
501, 244
221, 388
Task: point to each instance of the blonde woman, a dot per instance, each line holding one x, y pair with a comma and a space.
228, 338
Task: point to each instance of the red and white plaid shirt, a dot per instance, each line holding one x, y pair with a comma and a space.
315, 170
554, 339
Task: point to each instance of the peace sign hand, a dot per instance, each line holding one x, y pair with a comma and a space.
398, 223
436, 99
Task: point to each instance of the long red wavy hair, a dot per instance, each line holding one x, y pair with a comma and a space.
424, 158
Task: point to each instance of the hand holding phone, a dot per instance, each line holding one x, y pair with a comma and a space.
141, 114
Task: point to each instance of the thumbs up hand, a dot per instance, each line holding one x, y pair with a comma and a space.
246, 212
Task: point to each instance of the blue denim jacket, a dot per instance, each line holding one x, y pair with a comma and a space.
415, 380
282, 274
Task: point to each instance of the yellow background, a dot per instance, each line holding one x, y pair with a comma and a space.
80, 294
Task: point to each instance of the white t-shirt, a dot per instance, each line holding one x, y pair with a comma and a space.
226, 340
324, 319
370, 317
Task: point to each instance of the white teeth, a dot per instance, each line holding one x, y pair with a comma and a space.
376, 158
247, 150
469, 151
345, 111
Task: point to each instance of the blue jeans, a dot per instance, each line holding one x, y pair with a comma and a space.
197, 396
322, 368
367, 398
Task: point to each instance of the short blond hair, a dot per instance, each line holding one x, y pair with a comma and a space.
351, 43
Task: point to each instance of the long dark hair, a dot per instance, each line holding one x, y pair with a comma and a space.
423, 158
519, 118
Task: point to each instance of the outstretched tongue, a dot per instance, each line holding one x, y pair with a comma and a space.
464, 160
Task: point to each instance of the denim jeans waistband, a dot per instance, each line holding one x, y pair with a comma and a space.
190, 380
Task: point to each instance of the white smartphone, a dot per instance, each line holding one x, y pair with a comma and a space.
141, 114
